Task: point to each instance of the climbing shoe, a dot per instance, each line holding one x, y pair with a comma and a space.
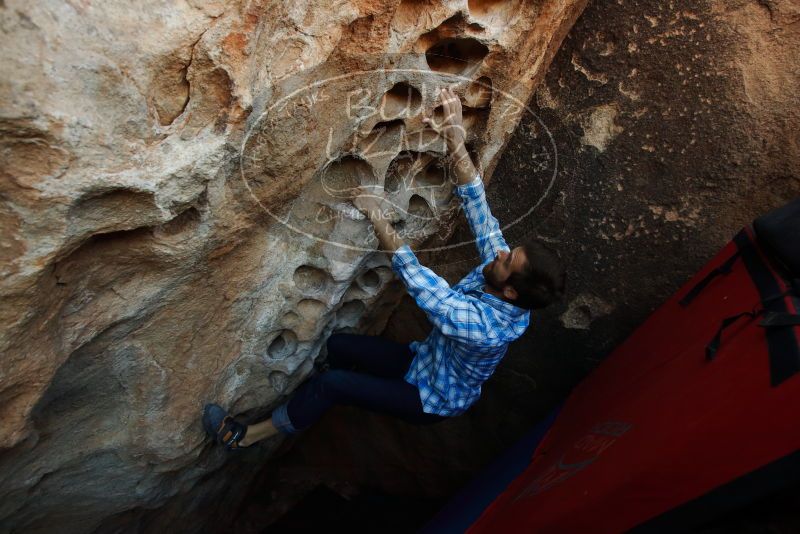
223, 428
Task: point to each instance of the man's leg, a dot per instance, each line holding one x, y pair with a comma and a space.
315, 397
258, 431
373, 355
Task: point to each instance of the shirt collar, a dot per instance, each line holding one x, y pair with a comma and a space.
500, 304
495, 302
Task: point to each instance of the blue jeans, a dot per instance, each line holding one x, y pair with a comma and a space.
366, 371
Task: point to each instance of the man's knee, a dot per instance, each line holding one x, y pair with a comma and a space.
332, 383
336, 344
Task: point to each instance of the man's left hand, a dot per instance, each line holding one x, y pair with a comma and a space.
370, 201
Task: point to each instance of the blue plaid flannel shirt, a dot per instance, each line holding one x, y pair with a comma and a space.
472, 329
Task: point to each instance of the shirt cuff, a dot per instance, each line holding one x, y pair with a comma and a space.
402, 257
472, 190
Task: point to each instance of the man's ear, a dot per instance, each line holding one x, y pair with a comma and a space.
509, 292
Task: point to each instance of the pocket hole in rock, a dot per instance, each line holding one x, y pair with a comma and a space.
369, 281
436, 178
419, 208
283, 345
402, 100
433, 176
183, 223
456, 55
342, 178
103, 249
383, 271
278, 381
479, 93
401, 170
310, 279
107, 211
393, 183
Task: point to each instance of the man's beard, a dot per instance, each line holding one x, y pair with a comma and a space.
489, 276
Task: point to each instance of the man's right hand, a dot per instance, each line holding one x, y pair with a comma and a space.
452, 129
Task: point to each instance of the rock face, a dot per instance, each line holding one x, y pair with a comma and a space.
176, 224
676, 125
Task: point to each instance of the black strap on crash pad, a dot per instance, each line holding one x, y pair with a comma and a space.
713, 345
775, 319
725, 268
770, 320
782, 343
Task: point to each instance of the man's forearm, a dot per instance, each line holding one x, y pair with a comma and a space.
463, 166
388, 238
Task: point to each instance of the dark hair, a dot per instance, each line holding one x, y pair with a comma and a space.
541, 281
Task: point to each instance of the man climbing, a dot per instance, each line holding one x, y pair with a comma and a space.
473, 323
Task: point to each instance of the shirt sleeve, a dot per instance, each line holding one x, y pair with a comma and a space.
484, 225
448, 310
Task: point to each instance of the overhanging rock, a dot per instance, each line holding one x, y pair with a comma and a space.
176, 224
